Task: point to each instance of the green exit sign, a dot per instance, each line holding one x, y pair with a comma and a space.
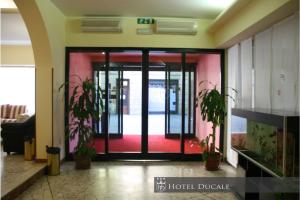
145, 21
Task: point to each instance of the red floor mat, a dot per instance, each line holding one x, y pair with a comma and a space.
157, 143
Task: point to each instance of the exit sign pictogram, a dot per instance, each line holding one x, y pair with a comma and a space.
145, 20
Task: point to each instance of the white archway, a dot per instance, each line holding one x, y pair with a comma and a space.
43, 61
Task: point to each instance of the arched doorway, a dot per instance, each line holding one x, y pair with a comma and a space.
43, 61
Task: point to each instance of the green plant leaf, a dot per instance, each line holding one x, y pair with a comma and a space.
212, 108
83, 109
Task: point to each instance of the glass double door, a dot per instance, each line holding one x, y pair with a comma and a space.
169, 96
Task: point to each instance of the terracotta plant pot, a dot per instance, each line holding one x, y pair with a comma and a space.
82, 162
213, 162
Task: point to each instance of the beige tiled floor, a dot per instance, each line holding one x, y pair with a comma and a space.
15, 171
121, 181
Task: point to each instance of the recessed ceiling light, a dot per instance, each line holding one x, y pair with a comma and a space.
7, 4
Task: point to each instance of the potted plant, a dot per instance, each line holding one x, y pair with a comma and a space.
83, 109
212, 109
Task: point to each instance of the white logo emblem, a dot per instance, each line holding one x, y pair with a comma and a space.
160, 184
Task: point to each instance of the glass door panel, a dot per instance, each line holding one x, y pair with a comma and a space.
164, 102
192, 139
192, 102
125, 102
189, 101
156, 108
132, 106
114, 112
99, 126
175, 102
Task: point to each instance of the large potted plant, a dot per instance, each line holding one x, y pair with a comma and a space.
83, 108
212, 109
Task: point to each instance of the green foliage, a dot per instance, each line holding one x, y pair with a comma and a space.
86, 150
212, 109
83, 108
261, 139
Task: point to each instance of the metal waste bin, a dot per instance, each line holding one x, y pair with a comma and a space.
53, 157
28, 143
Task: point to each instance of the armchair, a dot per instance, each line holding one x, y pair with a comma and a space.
13, 134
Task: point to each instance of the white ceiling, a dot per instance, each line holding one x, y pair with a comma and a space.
13, 30
152, 8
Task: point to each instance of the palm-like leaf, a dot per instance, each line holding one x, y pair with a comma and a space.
83, 110
212, 109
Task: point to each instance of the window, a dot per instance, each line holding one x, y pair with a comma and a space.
17, 87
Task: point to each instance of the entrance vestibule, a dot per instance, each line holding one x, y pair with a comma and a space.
149, 111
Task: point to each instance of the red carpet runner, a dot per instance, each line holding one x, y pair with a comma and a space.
156, 143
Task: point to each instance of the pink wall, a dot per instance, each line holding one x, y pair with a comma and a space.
208, 68
80, 65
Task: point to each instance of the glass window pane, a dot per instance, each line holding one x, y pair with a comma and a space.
207, 68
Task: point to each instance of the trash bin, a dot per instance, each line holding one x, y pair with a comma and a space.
53, 157
28, 148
